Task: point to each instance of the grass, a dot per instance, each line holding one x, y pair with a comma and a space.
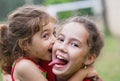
108, 63
0, 77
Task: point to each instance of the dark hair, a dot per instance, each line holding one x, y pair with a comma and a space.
95, 40
23, 23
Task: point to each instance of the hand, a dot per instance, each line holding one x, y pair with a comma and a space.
84, 73
92, 74
6, 77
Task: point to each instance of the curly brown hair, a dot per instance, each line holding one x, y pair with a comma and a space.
23, 23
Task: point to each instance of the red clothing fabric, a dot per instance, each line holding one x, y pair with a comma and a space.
50, 75
87, 79
43, 66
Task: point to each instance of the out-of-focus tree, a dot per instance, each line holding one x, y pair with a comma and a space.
48, 2
7, 6
106, 29
3, 10
66, 14
39, 1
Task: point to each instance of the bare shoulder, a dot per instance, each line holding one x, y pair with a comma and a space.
27, 70
25, 65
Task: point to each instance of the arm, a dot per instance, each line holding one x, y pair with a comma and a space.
26, 70
84, 73
6, 77
79, 76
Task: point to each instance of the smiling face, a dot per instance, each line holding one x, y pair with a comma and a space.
70, 50
42, 42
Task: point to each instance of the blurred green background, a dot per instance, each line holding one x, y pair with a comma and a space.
108, 63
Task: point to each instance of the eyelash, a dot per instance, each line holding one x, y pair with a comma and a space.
54, 33
75, 45
45, 35
60, 39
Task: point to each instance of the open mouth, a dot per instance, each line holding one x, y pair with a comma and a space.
61, 61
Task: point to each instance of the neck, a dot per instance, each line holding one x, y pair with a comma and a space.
65, 77
62, 78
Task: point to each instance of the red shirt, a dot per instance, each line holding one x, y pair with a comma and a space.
50, 75
43, 66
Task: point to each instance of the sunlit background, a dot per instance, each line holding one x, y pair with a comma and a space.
105, 13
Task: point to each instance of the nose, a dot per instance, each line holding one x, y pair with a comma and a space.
63, 48
53, 39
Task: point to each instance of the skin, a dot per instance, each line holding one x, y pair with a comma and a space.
42, 42
6, 77
71, 46
44, 39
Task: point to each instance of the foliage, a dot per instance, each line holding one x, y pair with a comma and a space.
48, 2
7, 6
38, 1
67, 14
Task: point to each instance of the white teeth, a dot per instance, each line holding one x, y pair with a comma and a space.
59, 57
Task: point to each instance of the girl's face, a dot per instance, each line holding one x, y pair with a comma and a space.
42, 43
70, 50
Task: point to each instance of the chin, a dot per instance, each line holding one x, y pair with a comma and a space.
64, 75
62, 72
48, 59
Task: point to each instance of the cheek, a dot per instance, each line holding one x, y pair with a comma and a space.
77, 57
44, 44
78, 62
55, 46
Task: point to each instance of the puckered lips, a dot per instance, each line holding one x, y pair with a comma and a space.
59, 61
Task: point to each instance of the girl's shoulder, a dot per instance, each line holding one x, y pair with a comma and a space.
24, 65
25, 69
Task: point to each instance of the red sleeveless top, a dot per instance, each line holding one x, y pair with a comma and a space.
46, 70
43, 66
50, 76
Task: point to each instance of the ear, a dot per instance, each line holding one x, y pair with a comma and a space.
90, 59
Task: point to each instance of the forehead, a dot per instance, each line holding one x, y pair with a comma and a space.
75, 28
50, 25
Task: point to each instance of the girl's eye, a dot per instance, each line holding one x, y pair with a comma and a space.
75, 44
45, 36
54, 33
60, 39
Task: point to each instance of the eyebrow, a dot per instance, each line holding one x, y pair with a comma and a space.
60, 34
47, 30
73, 39
44, 31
